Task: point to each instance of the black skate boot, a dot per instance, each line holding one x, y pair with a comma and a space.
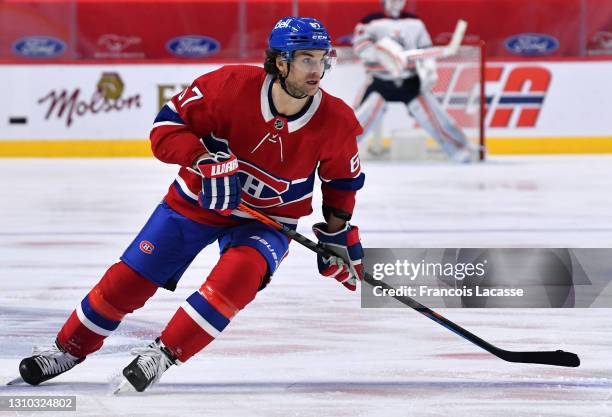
152, 361
46, 363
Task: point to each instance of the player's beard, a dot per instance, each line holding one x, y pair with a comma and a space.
298, 91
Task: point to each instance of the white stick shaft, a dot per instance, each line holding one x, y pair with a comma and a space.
440, 51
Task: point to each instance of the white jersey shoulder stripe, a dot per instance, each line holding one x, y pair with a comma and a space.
181, 182
266, 112
167, 123
171, 106
294, 125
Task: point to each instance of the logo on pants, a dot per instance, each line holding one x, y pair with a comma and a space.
269, 247
147, 247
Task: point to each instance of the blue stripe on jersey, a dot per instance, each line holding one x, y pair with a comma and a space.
96, 318
349, 184
214, 144
355, 252
167, 115
207, 311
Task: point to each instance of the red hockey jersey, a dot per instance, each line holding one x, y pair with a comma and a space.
231, 110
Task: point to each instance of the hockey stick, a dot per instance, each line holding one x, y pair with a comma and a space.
557, 358
439, 51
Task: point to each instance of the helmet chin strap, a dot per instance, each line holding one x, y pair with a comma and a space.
284, 86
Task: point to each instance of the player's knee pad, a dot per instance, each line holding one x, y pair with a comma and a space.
120, 291
370, 112
235, 280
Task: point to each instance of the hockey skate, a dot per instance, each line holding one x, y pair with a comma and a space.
462, 156
46, 363
147, 368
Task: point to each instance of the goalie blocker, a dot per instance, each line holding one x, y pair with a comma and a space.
403, 70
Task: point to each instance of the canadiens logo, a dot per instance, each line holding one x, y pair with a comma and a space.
147, 247
259, 188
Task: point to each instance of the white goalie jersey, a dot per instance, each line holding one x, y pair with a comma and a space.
406, 32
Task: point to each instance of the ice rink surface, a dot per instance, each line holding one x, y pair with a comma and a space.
304, 347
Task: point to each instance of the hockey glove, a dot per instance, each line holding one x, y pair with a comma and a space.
220, 185
347, 245
389, 55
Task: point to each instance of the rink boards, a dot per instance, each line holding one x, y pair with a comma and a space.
107, 110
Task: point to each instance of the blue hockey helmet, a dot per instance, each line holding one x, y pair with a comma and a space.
293, 33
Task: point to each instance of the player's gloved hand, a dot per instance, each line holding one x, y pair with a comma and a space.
347, 244
389, 55
220, 185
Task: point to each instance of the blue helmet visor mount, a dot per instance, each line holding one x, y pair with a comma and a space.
307, 63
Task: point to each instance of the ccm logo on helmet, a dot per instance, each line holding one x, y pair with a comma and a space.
147, 247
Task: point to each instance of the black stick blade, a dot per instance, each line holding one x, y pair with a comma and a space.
556, 358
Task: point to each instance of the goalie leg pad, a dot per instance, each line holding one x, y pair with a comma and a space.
231, 285
438, 123
370, 113
120, 291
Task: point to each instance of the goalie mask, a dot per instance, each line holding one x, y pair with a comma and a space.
394, 8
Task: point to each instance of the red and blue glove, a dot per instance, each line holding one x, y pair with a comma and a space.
220, 184
347, 245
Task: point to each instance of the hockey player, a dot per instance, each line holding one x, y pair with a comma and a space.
378, 41
256, 136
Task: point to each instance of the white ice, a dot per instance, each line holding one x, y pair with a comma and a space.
304, 347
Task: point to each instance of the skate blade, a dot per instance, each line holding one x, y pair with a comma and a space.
124, 387
18, 380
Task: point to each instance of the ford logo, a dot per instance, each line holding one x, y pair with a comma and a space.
39, 47
532, 44
193, 46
